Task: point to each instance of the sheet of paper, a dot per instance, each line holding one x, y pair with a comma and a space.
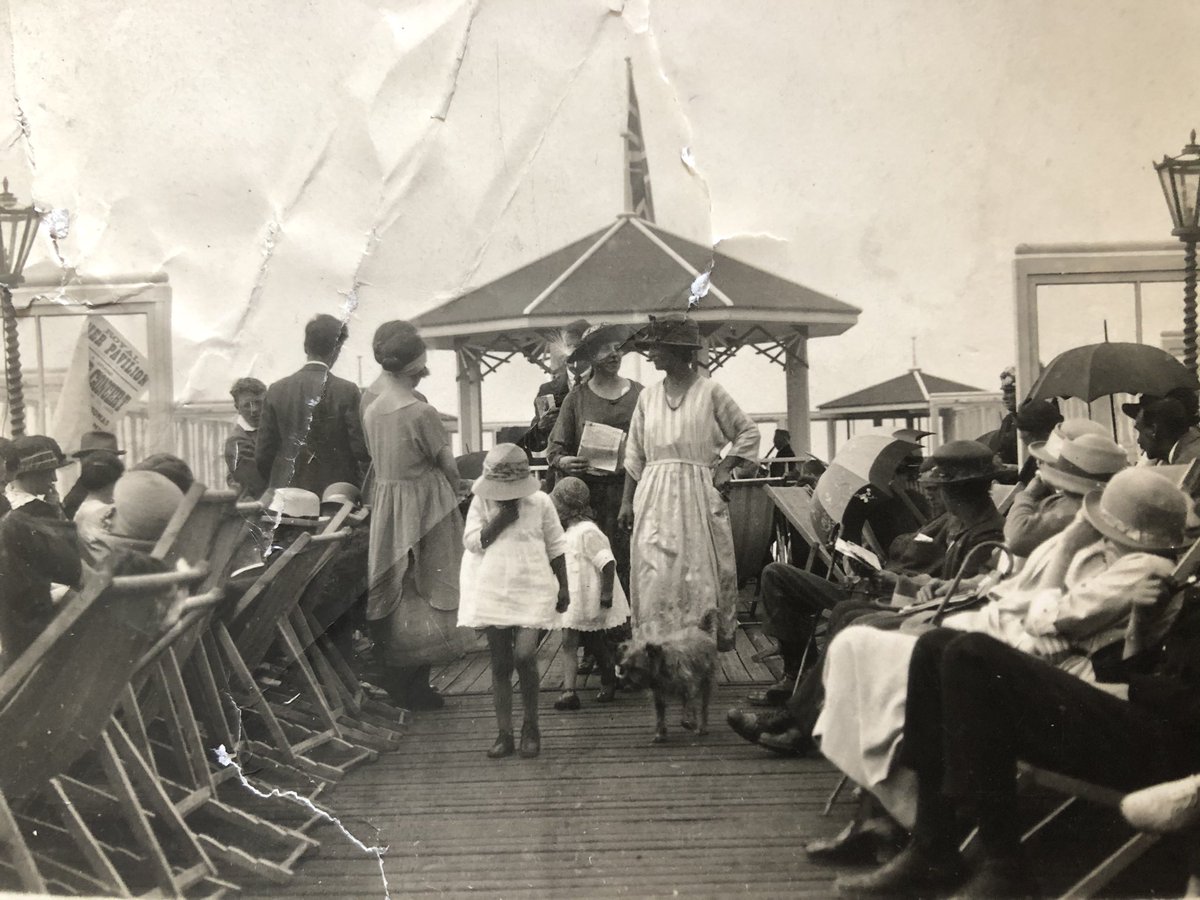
601, 446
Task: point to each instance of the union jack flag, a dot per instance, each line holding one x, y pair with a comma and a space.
638, 199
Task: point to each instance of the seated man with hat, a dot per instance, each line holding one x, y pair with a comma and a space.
962, 472
38, 546
1034, 682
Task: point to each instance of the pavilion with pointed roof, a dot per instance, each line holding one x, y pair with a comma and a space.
916, 399
620, 274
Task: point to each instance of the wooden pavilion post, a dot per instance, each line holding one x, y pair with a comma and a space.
470, 399
795, 369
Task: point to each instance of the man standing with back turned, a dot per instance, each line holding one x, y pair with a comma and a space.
310, 435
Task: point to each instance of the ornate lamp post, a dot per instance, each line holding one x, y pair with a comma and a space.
1180, 177
18, 228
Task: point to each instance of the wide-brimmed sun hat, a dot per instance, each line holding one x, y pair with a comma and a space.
1139, 508
599, 336
506, 475
293, 506
1083, 463
97, 441
669, 331
38, 453
959, 462
571, 497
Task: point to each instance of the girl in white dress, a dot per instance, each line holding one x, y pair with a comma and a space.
597, 599
513, 582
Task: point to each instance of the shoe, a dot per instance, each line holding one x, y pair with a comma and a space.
588, 666
531, 741
792, 742
607, 694
751, 725
776, 695
912, 872
503, 746
421, 696
1172, 806
854, 845
567, 700
1008, 877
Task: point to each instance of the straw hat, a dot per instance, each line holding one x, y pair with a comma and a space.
571, 497
1139, 508
38, 453
1049, 449
506, 475
1083, 464
341, 492
293, 506
599, 336
959, 462
669, 331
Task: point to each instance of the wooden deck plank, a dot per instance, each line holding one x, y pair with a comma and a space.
602, 812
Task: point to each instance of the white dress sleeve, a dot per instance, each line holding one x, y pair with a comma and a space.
552, 530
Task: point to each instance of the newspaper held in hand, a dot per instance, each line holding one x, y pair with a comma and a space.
601, 446
859, 553
544, 403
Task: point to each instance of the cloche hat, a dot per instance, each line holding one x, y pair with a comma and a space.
959, 462
506, 475
1139, 508
571, 497
38, 453
669, 331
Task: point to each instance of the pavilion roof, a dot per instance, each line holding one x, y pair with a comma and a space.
908, 391
623, 272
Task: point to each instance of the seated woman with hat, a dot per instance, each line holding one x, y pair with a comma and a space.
39, 548
1084, 595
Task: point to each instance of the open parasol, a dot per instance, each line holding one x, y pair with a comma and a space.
1099, 370
869, 460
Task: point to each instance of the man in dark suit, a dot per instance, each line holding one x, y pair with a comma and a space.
310, 435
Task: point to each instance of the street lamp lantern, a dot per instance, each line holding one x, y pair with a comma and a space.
1180, 179
18, 228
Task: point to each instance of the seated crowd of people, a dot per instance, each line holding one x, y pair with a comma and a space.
1061, 635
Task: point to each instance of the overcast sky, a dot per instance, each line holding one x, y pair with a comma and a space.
271, 156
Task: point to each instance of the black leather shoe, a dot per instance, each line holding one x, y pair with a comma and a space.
776, 695
531, 741
912, 872
422, 696
853, 846
792, 741
503, 747
751, 725
999, 878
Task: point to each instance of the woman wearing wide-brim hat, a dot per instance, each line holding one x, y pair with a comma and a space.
416, 529
683, 560
607, 399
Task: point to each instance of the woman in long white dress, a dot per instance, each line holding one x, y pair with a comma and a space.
683, 561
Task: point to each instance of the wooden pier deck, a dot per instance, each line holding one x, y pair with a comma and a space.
601, 812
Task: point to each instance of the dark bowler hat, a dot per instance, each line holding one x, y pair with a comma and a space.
94, 441
959, 462
38, 453
669, 331
1038, 415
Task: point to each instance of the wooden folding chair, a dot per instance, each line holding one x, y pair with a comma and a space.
55, 704
247, 638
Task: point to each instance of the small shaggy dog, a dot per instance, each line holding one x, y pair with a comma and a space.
681, 664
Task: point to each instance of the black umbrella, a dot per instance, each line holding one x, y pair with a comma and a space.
1099, 370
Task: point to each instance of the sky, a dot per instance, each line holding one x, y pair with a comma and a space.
278, 159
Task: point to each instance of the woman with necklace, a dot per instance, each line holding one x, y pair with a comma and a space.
607, 399
683, 561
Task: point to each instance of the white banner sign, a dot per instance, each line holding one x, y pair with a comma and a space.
116, 373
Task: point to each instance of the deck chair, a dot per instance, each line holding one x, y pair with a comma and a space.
247, 638
1077, 791
47, 741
